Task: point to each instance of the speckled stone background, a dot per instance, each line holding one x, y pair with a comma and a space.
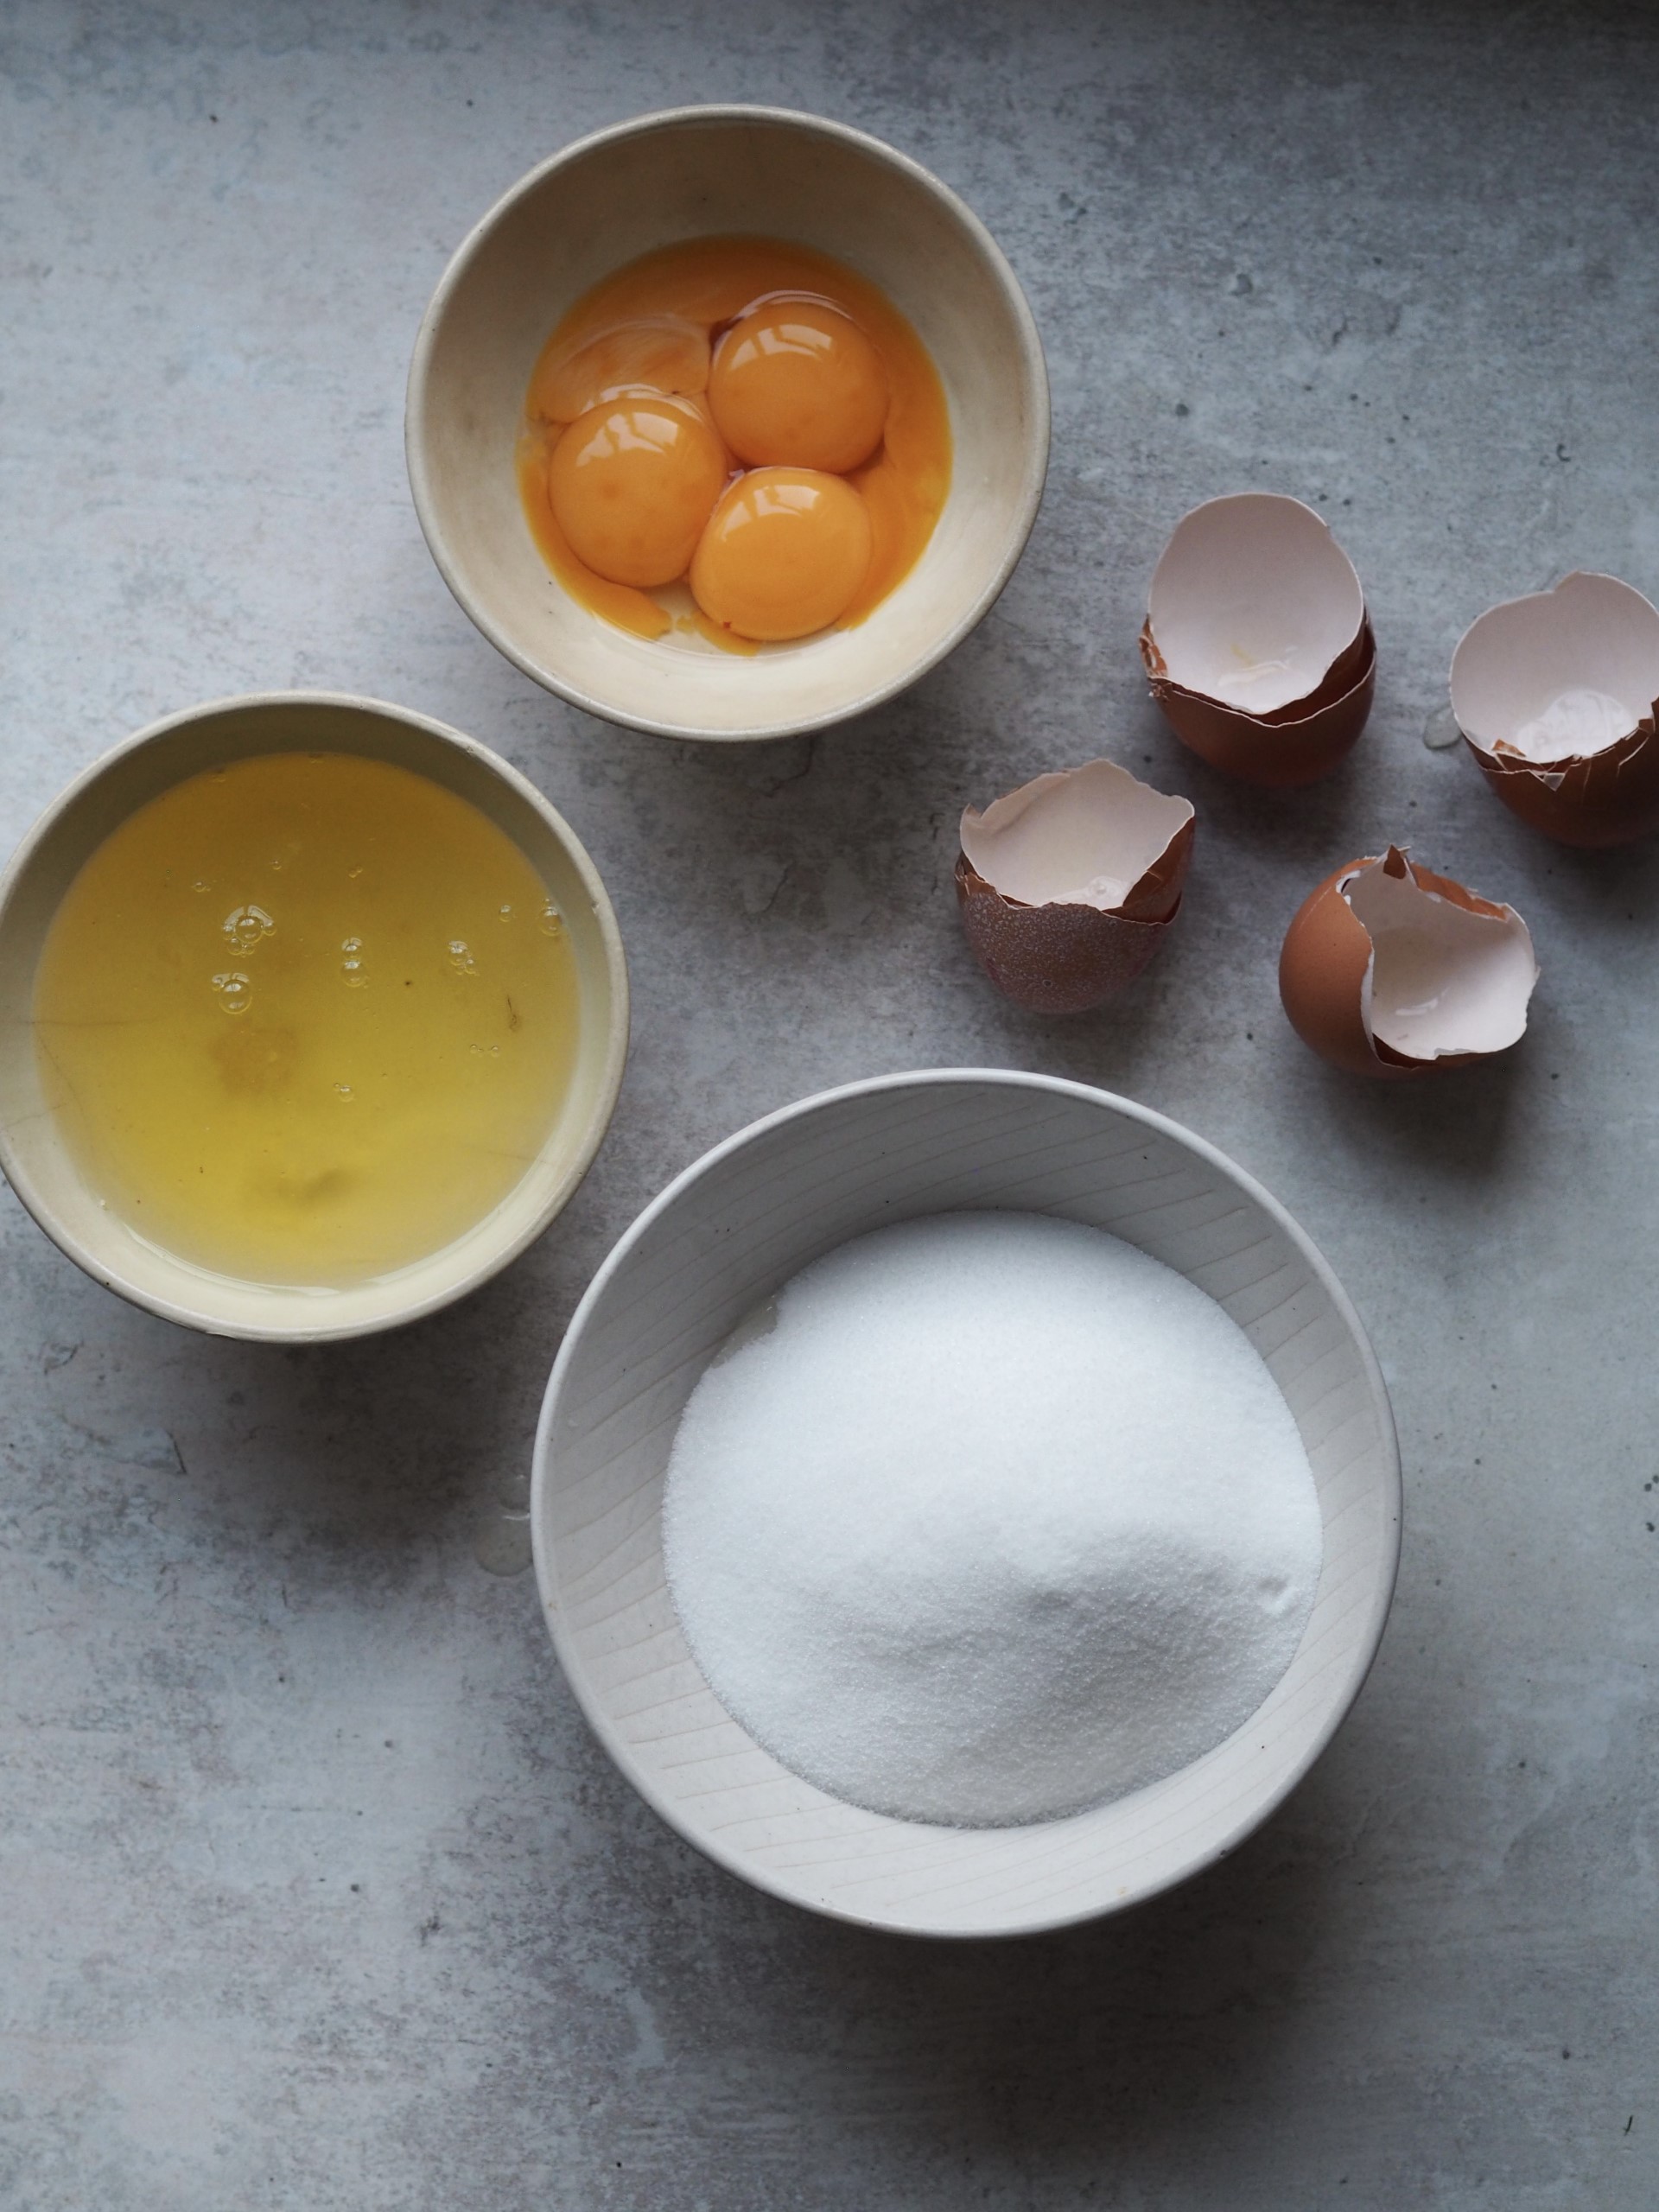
314, 1891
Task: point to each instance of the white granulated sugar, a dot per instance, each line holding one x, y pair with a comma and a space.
1000, 1520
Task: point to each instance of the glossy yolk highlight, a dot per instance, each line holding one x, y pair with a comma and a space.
784, 554
797, 382
631, 485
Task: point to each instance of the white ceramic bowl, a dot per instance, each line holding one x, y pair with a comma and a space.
698, 172
32, 1152
723, 1237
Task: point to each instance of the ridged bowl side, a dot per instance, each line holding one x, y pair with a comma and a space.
724, 1236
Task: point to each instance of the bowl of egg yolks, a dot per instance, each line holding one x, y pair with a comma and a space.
313, 1015
728, 423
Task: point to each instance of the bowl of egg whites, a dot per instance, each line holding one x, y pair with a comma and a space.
728, 423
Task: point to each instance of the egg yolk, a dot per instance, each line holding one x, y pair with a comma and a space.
630, 484
798, 381
664, 352
784, 554
778, 358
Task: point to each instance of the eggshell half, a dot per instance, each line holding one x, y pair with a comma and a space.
1557, 696
1067, 885
1252, 602
1390, 971
1297, 744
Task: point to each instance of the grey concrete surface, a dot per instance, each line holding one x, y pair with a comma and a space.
314, 1891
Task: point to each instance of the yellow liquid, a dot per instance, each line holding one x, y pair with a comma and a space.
306, 1018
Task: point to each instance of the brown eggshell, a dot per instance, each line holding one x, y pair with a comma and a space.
1322, 969
1292, 746
1058, 959
1067, 883
1252, 602
1610, 798
1589, 634
1157, 896
1326, 964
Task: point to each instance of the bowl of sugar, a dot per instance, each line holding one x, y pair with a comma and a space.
965, 1503
313, 1014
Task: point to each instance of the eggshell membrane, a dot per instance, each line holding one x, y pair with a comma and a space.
1087, 837
1296, 744
1067, 885
1591, 635
1390, 971
1252, 602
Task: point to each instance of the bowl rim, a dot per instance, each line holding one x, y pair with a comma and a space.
1130, 1110
417, 405
616, 1041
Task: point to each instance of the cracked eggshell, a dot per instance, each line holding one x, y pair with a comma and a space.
1557, 696
1067, 885
1297, 745
1391, 970
1256, 644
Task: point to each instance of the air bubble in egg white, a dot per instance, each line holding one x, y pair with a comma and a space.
243, 927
